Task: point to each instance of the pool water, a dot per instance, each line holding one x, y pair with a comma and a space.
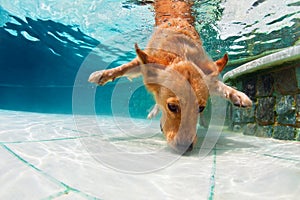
47, 45
63, 138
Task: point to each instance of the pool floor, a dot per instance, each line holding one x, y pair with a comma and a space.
46, 156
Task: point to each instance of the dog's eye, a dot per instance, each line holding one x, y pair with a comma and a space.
173, 108
201, 108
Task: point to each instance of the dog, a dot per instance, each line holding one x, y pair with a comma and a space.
178, 72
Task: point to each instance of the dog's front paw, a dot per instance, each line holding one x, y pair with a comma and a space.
101, 77
240, 99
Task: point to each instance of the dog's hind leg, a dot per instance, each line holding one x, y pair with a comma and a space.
153, 112
130, 70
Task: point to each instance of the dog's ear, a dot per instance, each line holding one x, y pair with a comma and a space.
154, 77
221, 63
143, 57
153, 73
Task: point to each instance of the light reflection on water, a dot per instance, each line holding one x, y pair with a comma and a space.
246, 29
242, 28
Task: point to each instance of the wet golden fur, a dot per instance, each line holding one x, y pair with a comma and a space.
178, 72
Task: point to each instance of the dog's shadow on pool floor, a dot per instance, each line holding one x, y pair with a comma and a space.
222, 142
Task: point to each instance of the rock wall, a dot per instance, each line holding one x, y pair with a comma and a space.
276, 103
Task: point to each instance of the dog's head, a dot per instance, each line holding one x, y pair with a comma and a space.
181, 92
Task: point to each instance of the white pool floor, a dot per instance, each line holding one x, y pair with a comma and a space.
46, 156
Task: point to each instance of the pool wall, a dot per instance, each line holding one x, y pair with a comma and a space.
273, 84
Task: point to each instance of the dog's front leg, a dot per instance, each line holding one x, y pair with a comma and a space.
131, 70
236, 97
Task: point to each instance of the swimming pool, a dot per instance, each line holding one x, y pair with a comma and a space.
63, 138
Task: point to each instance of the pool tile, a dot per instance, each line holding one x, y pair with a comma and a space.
66, 167
70, 163
20, 181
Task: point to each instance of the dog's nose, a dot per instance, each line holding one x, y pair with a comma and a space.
190, 148
185, 148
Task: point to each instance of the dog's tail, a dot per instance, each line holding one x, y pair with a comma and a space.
167, 9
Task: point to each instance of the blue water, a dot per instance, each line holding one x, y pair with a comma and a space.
43, 44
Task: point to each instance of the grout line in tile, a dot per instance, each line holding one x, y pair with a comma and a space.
213, 175
49, 177
48, 140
